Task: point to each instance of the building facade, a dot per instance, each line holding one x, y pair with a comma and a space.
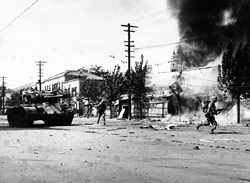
177, 62
69, 81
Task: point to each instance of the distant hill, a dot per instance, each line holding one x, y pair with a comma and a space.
31, 84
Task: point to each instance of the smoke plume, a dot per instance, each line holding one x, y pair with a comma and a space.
207, 26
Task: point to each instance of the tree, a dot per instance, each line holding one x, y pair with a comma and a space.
14, 100
91, 89
113, 86
98, 70
234, 73
138, 84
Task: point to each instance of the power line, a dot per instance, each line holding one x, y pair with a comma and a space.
11, 22
160, 21
155, 14
177, 42
159, 18
141, 19
202, 79
187, 70
183, 83
181, 41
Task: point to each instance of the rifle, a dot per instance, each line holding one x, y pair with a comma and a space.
219, 110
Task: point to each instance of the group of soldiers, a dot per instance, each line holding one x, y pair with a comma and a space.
210, 111
101, 107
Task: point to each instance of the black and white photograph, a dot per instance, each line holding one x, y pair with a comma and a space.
124, 91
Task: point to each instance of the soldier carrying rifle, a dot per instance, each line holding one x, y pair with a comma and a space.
210, 110
101, 107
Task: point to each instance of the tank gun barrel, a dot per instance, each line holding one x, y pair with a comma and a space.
52, 98
56, 96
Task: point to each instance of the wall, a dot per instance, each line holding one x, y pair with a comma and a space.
73, 85
54, 83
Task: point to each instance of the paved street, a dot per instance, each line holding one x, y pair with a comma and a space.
123, 151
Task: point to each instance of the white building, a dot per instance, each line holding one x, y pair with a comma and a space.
69, 81
177, 62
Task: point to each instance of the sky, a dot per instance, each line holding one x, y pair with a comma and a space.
70, 34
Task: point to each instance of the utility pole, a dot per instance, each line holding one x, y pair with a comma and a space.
3, 93
129, 45
40, 64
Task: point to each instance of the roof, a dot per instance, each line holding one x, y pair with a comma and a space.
76, 73
56, 76
84, 74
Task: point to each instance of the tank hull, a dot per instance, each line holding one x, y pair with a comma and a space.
25, 117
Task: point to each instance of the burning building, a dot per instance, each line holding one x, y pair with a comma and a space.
177, 62
205, 27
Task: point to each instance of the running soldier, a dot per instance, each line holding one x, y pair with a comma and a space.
88, 106
101, 107
210, 111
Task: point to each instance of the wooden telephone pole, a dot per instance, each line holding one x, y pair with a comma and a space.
40, 64
129, 46
3, 93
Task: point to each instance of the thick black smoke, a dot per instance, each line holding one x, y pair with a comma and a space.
209, 25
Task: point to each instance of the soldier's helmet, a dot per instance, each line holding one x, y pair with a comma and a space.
214, 98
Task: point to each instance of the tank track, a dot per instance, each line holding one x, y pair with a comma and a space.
17, 118
64, 119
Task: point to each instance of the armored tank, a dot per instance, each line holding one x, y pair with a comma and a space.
41, 106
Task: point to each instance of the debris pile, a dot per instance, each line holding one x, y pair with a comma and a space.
168, 123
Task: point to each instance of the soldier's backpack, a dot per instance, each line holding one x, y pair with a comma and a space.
204, 105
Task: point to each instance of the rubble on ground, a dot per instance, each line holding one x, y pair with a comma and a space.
168, 123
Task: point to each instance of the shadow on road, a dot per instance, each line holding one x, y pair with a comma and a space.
228, 132
6, 127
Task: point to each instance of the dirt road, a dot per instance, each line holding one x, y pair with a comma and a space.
123, 152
